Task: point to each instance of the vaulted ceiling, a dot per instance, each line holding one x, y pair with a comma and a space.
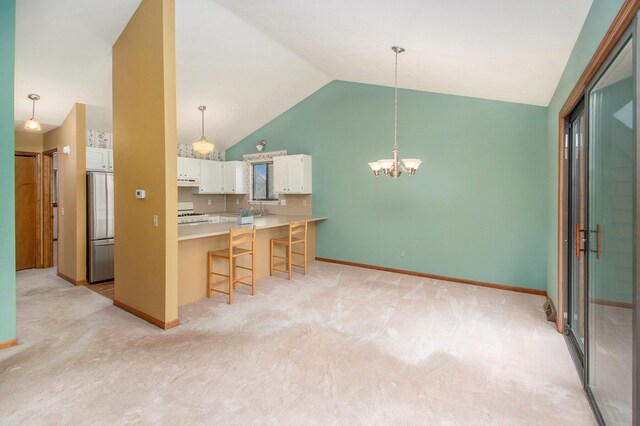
250, 60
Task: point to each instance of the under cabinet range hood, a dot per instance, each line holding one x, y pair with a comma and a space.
188, 182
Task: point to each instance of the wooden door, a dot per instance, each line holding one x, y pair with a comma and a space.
26, 187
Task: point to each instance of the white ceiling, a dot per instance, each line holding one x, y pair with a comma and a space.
63, 53
496, 49
251, 60
243, 77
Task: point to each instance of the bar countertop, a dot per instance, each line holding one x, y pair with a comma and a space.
203, 230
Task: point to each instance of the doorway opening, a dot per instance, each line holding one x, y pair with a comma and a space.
50, 207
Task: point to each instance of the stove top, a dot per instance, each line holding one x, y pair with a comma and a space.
187, 215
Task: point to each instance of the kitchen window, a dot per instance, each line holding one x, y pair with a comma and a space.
262, 178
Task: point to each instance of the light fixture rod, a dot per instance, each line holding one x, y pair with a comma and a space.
395, 107
397, 50
202, 108
33, 98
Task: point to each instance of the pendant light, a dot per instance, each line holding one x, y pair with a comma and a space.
33, 124
202, 145
393, 167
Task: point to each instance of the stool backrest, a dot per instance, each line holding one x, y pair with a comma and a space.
298, 230
242, 236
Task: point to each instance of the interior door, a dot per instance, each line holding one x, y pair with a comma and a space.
26, 190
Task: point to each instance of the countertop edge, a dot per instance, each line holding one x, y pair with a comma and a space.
226, 232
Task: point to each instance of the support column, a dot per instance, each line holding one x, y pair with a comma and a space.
145, 157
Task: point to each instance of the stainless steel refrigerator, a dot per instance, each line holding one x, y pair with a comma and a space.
100, 226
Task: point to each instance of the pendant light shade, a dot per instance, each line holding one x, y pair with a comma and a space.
202, 145
394, 167
32, 124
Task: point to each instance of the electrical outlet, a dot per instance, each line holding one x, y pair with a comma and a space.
237, 201
61, 211
209, 202
155, 220
283, 202
402, 253
304, 203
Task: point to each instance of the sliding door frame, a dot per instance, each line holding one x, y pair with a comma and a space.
622, 27
579, 359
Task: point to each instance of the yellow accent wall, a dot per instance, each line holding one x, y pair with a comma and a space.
29, 141
72, 193
144, 134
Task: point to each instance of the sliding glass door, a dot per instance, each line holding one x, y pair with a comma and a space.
610, 238
600, 288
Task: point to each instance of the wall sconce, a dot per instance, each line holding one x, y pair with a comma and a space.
66, 150
261, 145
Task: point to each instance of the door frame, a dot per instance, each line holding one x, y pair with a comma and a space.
47, 209
38, 180
579, 360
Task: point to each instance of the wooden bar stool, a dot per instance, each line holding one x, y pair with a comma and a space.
297, 235
232, 253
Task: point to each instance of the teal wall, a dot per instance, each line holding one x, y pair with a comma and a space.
476, 209
596, 25
7, 209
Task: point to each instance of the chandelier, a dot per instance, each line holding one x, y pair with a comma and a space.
394, 167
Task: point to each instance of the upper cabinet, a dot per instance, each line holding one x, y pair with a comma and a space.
188, 171
292, 174
99, 159
235, 177
211, 178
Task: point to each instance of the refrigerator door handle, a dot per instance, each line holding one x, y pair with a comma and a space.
102, 242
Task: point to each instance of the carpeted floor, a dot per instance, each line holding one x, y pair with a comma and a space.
342, 345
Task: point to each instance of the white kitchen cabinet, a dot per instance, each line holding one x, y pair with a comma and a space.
188, 171
235, 177
99, 159
211, 178
292, 174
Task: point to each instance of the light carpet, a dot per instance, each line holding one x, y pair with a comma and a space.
342, 345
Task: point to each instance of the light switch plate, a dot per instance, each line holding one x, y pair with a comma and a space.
283, 202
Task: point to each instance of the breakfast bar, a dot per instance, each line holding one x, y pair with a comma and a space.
195, 240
